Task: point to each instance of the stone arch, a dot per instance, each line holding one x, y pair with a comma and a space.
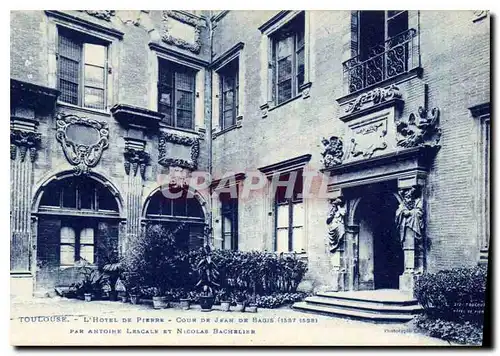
99, 177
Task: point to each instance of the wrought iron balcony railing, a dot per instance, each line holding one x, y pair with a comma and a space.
395, 56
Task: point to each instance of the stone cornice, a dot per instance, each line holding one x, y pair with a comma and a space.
32, 95
79, 21
129, 114
286, 166
227, 55
182, 56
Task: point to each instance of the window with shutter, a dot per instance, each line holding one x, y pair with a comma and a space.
81, 70
229, 220
176, 94
228, 94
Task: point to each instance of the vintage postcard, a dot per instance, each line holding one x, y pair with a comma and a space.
314, 178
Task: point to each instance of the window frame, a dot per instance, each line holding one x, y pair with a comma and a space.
288, 30
77, 242
232, 69
81, 39
174, 68
230, 207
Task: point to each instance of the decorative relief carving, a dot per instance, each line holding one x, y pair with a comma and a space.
136, 159
333, 152
166, 160
421, 130
336, 223
371, 142
374, 97
100, 14
168, 37
82, 139
24, 141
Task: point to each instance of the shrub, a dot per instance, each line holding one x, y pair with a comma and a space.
455, 295
462, 332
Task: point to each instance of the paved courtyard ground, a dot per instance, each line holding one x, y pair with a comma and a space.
58, 321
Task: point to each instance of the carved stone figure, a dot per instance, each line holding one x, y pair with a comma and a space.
419, 131
333, 153
410, 214
136, 158
336, 223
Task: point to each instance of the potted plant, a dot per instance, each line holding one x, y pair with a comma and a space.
123, 296
240, 301
252, 305
113, 272
208, 275
185, 301
92, 281
225, 303
134, 295
159, 299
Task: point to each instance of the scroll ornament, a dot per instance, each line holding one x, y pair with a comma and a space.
333, 151
135, 159
24, 141
83, 155
421, 130
336, 223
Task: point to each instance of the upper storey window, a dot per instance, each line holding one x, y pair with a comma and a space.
176, 94
383, 46
81, 69
229, 98
288, 60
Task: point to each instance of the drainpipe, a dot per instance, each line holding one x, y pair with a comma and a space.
209, 126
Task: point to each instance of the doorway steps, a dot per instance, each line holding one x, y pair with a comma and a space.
380, 306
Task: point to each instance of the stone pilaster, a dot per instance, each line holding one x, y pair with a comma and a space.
23, 150
135, 163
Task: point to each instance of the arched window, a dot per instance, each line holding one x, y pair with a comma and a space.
182, 207
78, 193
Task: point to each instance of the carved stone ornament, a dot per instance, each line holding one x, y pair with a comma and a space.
100, 14
410, 214
82, 139
165, 158
197, 25
24, 141
137, 159
333, 152
419, 130
368, 148
336, 223
375, 97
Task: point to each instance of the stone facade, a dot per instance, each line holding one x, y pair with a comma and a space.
424, 127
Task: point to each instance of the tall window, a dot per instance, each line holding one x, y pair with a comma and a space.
229, 96
288, 60
176, 94
378, 26
76, 243
82, 69
289, 216
229, 215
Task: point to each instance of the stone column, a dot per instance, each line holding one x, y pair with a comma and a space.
23, 150
136, 160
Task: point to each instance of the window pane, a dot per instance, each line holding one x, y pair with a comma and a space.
300, 39
94, 98
87, 236
284, 48
69, 70
94, 76
87, 253
228, 98
185, 119
184, 100
282, 212
166, 96
67, 235
282, 240
94, 54
67, 256
184, 81
87, 194
106, 200
298, 239
300, 68
69, 195
284, 91
180, 205
229, 119
228, 82
298, 214
227, 241
227, 226
69, 47
51, 196
284, 69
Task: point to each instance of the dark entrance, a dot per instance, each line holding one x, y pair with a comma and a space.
380, 253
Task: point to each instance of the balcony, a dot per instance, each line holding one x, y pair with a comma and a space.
398, 55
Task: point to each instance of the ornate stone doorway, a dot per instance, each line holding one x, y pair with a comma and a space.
380, 253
